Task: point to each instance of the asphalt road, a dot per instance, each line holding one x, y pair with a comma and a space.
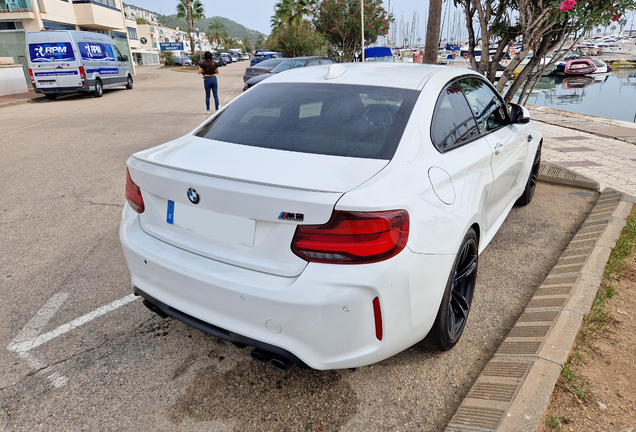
63, 176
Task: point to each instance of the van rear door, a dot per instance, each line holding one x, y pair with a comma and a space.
53, 60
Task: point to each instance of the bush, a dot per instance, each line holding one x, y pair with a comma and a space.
167, 57
196, 58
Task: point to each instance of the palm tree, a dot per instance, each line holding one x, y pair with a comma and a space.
190, 10
432, 31
291, 12
247, 44
217, 31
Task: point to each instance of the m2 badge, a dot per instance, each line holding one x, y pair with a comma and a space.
291, 216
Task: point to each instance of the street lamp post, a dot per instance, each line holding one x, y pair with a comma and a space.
362, 20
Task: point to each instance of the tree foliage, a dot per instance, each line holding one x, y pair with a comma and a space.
292, 12
542, 26
339, 21
297, 41
216, 31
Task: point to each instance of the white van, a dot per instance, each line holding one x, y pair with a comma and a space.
69, 61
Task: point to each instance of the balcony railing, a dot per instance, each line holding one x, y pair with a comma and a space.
15, 5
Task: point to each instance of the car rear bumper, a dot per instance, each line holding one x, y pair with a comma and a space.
324, 317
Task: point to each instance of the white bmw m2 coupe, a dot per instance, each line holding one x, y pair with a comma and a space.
331, 216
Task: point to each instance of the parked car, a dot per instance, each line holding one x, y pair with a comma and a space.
245, 57
218, 60
226, 57
284, 65
261, 68
262, 55
330, 217
235, 58
181, 61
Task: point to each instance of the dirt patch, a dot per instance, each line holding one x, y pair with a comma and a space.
260, 398
605, 397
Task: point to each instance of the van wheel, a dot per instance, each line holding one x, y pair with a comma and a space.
51, 96
129, 83
99, 90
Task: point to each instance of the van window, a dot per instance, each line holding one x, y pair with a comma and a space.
118, 54
50, 52
96, 51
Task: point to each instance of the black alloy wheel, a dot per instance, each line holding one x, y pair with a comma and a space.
531, 185
453, 312
129, 83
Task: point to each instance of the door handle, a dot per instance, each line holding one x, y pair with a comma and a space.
529, 138
498, 148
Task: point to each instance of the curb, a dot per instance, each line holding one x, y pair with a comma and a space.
553, 173
20, 101
514, 389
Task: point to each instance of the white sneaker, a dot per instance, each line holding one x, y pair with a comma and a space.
208, 112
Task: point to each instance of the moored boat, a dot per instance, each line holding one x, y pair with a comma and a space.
581, 66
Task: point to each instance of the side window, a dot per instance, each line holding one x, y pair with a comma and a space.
485, 104
118, 54
327, 61
313, 63
453, 121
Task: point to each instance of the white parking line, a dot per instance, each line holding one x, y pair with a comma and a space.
23, 346
29, 337
38, 322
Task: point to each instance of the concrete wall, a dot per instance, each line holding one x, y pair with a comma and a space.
12, 80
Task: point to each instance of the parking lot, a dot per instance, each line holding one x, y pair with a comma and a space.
80, 353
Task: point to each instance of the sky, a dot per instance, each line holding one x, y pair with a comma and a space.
255, 14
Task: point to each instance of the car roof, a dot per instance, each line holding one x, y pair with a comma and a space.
398, 75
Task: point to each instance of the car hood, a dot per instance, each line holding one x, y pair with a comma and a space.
280, 168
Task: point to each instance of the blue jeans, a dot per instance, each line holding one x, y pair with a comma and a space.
211, 83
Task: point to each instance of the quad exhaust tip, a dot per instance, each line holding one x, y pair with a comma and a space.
279, 362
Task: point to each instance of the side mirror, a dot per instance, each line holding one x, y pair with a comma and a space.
519, 114
125, 58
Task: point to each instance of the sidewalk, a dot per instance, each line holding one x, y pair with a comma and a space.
14, 99
598, 148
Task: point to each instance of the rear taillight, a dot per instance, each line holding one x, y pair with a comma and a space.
353, 237
133, 195
82, 72
32, 77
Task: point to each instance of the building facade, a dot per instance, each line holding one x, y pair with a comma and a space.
20, 16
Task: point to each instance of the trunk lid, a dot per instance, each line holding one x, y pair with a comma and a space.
250, 199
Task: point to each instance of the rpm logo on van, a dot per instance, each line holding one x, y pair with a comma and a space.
40, 53
95, 51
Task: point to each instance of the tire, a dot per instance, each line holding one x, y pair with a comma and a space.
99, 90
531, 185
51, 96
129, 84
453, 311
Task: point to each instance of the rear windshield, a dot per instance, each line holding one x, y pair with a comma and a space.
327, 119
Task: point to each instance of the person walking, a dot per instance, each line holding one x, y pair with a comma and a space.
208, 70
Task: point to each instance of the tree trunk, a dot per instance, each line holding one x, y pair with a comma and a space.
190, 23
432, 31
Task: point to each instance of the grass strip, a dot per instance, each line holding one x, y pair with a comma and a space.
595, 322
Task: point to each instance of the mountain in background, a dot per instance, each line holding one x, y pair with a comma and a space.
234, 29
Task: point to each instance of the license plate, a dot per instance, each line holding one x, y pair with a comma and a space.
212, 225
46, 83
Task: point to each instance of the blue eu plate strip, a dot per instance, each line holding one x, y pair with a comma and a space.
170, 218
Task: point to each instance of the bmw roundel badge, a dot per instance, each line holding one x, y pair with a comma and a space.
193, 196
